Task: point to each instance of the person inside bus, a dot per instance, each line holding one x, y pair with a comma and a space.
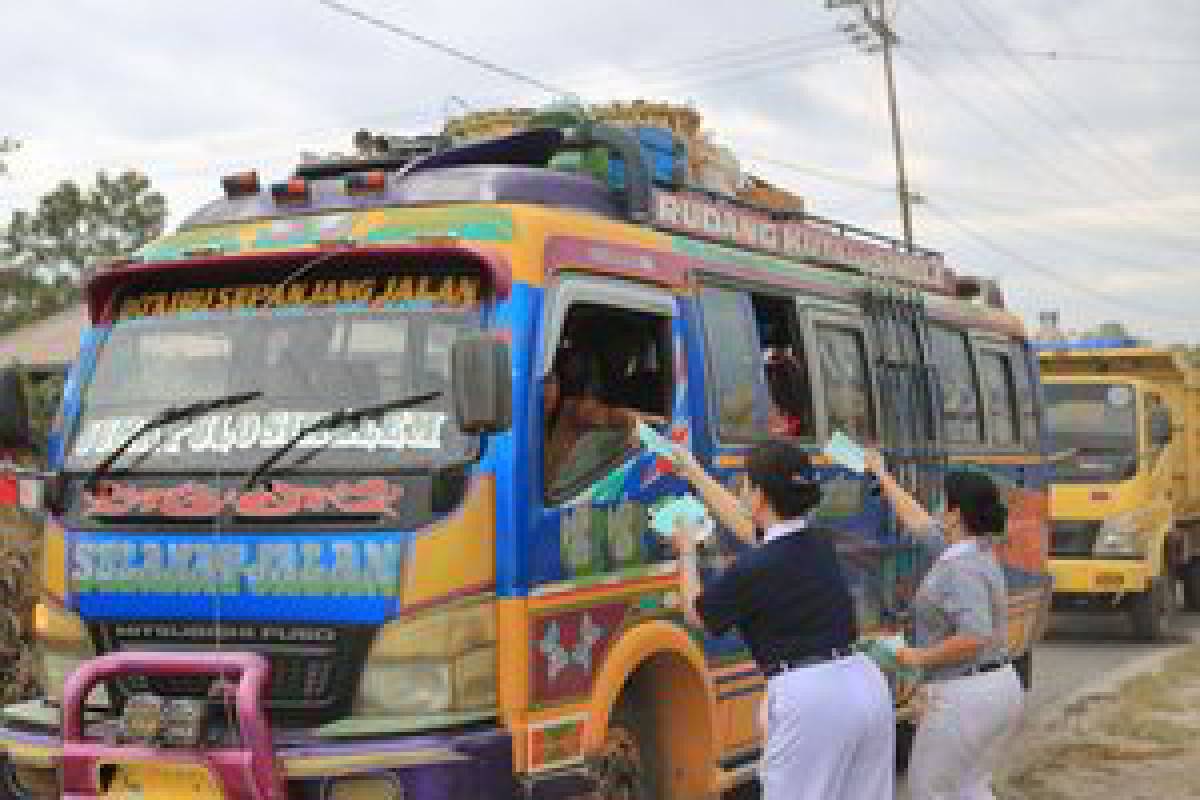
829, 719
572, 409
960, 638
791, 409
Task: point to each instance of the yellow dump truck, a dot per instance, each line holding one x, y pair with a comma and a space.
1124, 425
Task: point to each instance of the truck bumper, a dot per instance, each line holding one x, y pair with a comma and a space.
1100, 576
475, 765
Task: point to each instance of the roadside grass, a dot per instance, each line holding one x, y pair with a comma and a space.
1150, 718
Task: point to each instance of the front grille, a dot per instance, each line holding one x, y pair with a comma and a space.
314, 668
1073, 538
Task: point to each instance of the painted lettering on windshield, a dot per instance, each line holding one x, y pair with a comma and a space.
225, 433
446, 290
282, 499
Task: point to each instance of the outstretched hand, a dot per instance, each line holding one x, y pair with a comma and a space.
873, 461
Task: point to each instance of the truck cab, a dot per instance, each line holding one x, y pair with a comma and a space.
1122, 497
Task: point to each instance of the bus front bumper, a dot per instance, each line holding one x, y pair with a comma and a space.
439, 766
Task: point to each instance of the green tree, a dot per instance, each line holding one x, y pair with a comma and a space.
8, 146
73, 227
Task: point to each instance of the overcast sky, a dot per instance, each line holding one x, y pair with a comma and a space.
1074, 180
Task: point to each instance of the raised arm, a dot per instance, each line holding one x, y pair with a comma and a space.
912, 515
719, 500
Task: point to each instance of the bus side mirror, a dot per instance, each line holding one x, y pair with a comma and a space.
482, 383
1160, 426
15, 429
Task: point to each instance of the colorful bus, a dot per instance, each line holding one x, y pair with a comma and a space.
302, 540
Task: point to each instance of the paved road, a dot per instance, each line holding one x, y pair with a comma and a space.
1080, 648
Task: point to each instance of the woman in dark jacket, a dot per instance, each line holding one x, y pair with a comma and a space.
830, 727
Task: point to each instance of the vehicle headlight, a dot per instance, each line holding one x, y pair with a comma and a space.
407, 688
442, 661
1119, 536
63, 644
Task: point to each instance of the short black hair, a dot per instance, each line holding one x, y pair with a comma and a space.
781, 469
975, 496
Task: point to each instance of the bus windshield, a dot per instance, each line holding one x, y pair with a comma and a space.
1095, 426
305, 362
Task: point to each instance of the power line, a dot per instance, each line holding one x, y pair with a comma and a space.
441, 47
1051, 168
1132, 171
1124, 302
1066, 55
751, 50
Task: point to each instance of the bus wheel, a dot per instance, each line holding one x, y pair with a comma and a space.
11, 787
620, 770
1191, 585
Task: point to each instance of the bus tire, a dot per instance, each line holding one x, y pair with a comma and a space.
10, 787
623, 768
1190, 577
1023, 664
1149, 612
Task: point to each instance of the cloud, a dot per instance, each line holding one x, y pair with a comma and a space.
1085, 167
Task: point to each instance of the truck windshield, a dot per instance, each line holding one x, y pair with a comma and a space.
304, 362
1095, 424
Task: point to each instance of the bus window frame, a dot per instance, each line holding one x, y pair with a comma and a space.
711, 389
967, 336
851, 320
567, 290
984, 344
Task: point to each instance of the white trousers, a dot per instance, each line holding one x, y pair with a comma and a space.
831, 733
963, 735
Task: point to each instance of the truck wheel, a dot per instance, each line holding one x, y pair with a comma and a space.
1150, 611
1023, 664
1190, 577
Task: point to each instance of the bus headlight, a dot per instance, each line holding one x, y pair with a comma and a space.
441, 661
407, 688
1119, 537
63, 644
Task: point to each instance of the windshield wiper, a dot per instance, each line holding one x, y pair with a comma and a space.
165, 417
335, 419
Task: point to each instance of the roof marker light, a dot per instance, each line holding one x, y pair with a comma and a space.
291, 192
366, 182
240, 184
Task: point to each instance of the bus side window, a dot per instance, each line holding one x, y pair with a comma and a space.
960, 395
846, 381
1023, 361
789, 389
608, 361
735, 369
995, 373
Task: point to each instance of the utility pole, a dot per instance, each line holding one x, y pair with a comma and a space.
875, 22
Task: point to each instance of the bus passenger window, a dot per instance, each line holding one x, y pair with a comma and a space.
996, 375
789, 390
734, 362
845, 378
1023, 361
960, 396
611, 366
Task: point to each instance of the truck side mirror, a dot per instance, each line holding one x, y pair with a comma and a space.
1160, 426
15, 428
482, 383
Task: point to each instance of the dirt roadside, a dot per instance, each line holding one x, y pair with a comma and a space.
1138, 738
